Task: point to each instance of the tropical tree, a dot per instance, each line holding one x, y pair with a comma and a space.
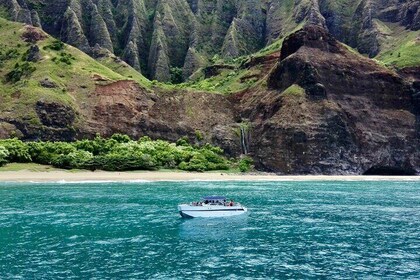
4, 154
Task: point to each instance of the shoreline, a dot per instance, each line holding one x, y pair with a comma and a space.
155, 176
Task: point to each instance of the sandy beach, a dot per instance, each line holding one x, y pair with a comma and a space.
71, 176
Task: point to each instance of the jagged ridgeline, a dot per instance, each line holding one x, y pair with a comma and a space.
167, 38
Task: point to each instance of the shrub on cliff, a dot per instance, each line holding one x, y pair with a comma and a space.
176, 75
121, 138
183, 141
245, 164
57, 45
21, 70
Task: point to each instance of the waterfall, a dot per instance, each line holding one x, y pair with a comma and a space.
244, 140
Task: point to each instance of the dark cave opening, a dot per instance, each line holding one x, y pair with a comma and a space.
390, 171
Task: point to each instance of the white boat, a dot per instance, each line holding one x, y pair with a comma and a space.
211, 206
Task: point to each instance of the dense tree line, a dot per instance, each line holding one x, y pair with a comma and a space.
119, 153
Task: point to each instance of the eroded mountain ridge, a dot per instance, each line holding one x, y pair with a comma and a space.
158, 37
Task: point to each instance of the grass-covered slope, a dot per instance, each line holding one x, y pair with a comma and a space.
399, 47
35, 66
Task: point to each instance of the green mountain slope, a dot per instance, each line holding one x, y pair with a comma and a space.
36, 67
400, 47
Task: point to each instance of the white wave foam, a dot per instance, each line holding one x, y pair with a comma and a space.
227, 179
65, 182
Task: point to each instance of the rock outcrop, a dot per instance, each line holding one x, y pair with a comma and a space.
131, 56
159, 62
72, 31
33, 54
127, 108
332, 111
193, 62
56, 123
98, 30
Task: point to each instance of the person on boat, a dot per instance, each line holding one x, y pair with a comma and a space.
231, 203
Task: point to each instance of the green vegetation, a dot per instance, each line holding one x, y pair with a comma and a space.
20, 70
245, 164
227, 81
56, 45
236, 76
4, 13
382, 27
9, 54
4, 155
118, 153
294, 90
274, 47
17, 150
176, 75
65, 58
199, 135
401, 49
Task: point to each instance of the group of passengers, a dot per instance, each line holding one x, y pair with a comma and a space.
214, 202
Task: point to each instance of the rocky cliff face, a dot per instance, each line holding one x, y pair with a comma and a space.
155, 36
331, 111
127, 108
367, 30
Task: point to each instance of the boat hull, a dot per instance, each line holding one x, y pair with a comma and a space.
187, 211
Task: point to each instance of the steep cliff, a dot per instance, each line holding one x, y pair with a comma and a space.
328, 110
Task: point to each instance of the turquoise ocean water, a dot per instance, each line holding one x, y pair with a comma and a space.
300, 230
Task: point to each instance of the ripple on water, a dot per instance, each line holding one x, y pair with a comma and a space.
294, 230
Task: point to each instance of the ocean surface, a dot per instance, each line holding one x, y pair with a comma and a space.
299, 230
